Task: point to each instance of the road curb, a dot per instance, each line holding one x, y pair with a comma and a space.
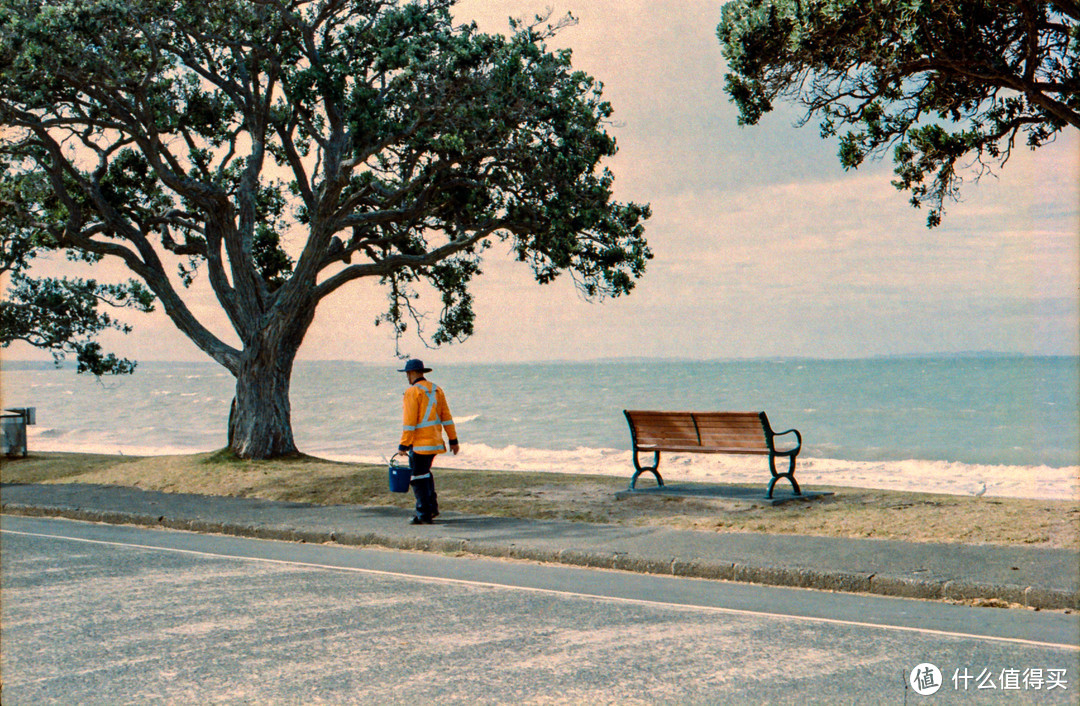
895, 586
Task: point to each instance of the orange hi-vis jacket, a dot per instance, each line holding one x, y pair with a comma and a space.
425, 416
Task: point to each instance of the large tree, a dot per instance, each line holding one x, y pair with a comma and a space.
945, 84
285, 148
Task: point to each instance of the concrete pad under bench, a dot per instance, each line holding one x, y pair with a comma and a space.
752, 496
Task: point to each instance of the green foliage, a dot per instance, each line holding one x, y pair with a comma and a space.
286, 149
63, 316
60, 315
941, 84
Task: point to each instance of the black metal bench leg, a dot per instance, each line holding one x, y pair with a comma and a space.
639, 469
790, 475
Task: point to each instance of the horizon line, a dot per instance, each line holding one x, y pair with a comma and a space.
987, 355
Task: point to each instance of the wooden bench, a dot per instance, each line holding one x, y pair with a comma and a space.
708, 433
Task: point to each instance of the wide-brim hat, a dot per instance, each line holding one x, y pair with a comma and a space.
414, 366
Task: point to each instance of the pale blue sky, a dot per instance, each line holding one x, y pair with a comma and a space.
764, 246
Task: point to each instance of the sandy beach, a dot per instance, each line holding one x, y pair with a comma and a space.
917, 476
1042, 483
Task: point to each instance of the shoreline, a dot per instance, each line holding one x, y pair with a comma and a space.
1035, 482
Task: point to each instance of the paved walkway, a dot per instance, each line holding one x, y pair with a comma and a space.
1037, 577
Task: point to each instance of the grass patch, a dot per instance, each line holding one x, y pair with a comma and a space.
53, 467
852, 512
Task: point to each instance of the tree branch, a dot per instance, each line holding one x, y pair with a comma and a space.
396, 262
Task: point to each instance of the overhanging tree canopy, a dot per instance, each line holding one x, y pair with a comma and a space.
61, 315
942, 83
285, 148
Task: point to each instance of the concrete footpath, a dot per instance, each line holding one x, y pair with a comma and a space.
1029, 576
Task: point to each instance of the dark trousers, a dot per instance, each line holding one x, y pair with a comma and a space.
423, 485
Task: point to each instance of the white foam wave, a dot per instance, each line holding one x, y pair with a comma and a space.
1037, 482
45, 432
104, 447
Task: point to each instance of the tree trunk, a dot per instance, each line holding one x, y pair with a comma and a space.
260, 421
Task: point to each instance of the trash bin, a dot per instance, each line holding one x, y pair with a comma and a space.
13, 430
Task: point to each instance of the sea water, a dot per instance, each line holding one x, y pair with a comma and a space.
993, 425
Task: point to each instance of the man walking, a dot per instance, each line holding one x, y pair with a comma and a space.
425, 416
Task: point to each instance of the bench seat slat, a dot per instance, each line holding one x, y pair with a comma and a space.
734, 439
728, 417
670, 444
669, 424
735, 431
674, 448
729, 423
653, 414
667, 428
756, 426
664, 421
650, 434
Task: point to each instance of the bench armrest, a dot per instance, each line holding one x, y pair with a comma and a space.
798, 438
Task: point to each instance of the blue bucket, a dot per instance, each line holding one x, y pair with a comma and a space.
399, 477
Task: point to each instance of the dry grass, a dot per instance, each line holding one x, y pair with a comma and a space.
852, 512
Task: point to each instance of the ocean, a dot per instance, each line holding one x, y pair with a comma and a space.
938, 424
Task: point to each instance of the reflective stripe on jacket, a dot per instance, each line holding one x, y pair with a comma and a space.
425, 416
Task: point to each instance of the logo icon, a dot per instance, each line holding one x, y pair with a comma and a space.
925, 679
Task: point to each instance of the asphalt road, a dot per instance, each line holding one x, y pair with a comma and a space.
98, 614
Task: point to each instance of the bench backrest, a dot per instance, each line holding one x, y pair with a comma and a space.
728, 430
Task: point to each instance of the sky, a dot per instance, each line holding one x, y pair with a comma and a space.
764, 246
